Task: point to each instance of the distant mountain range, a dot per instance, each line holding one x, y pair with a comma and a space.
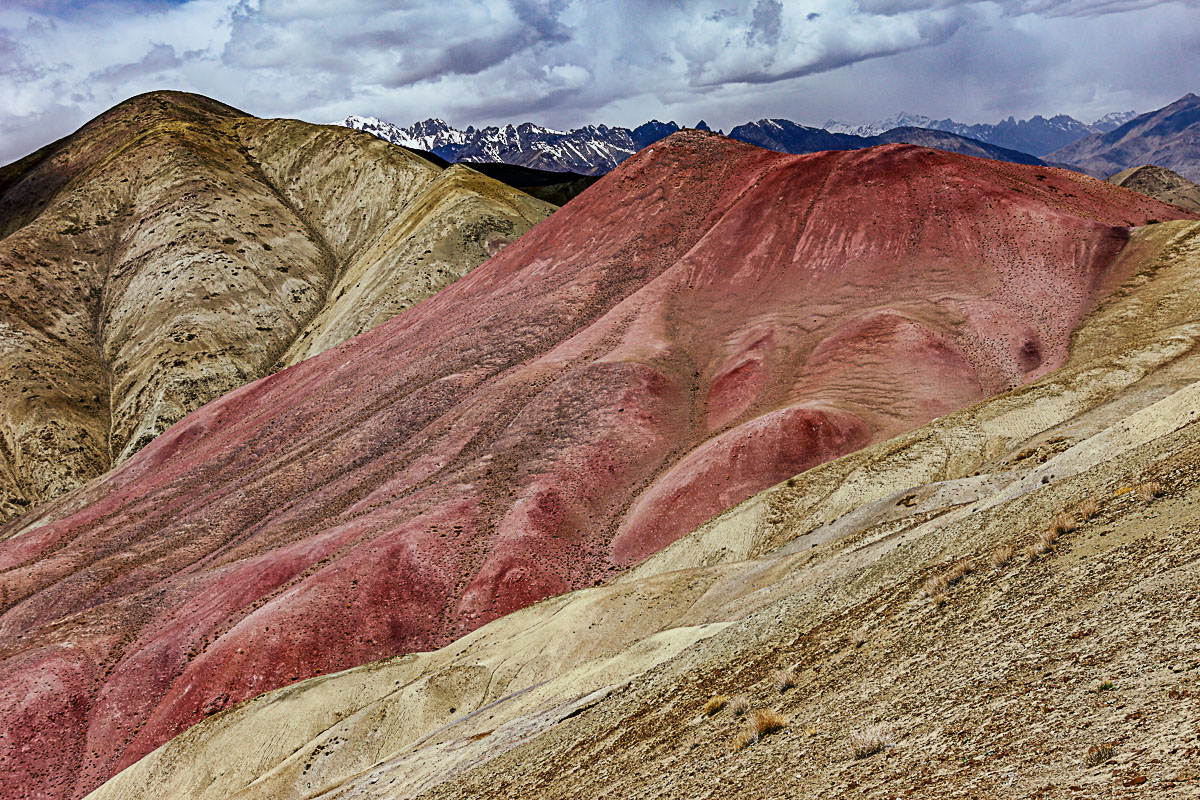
597, 149
1037, 136
1168, 137
591, 150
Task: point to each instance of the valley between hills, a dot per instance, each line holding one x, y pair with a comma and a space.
334, 470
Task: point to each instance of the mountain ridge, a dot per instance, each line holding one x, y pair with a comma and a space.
168, 252
594, 149
1168, 137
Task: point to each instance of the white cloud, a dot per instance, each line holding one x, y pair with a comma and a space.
566, 62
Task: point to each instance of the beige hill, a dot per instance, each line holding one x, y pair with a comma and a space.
175, 248
1161, 184
902, 587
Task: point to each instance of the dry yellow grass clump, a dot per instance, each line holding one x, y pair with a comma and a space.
935, 585
871, 739
1149, 490
761, 722
1087, 508
1063, 523
715, 704
1043, 545
1001, 555
962, 568
784, 679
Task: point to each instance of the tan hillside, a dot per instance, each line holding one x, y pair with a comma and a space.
175, 248
1161, 184
1070, 669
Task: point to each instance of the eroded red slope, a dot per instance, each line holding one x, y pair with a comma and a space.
704, 322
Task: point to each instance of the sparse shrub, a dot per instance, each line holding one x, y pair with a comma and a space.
1001, 555
784, 679
1149, 490
1063, 523
715, 704
739, 706
940, 600
1098, 753
935, 585
1087, 508
870, 740
1105, 686
858, 638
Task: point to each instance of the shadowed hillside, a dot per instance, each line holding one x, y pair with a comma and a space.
1168, 137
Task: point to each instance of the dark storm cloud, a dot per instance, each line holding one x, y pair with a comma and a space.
568, 62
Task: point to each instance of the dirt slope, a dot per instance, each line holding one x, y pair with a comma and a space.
1161, 184
705, 321
174, 248
999, 689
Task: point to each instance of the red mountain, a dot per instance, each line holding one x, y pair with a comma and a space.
705, 321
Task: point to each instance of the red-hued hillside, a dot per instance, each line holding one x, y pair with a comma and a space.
702, 323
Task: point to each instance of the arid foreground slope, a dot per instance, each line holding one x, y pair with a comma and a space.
175, 248
1055, 666
704, 322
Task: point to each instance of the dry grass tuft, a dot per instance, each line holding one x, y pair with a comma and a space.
745, 737
739, 706
1098, 753
1149, 490
940, 600
1063, 523
871, 739
1046, 541
1002, 555
1087, 508
715, 704
761, 722
767, 721
784, 679
960, 570
858, 638
1033, 553
935, 585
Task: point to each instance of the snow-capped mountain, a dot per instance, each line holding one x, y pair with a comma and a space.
422, 135
1038, 135
1111, 121
901, 120
591, 150
597, 149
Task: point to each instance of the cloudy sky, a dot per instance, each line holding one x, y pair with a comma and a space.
568, 62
